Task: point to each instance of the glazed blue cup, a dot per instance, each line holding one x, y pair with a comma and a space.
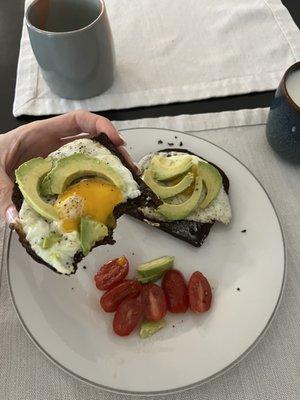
283, 125
73, 45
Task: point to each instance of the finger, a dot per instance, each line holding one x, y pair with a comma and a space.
8, 211
95, 124
11, 214
74, 123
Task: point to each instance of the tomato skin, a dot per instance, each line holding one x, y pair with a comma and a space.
154, 302
200, 294
114, 297
112, 273
176, 291
127, 316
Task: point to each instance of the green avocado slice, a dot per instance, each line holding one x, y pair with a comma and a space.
91, 232
149, 279
212, 180
156, 267
153, 270
77, 166
28, 177
149, 328
51, 240
164, 192
175, 212
165, 168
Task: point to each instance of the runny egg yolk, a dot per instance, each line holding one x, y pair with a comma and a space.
92, 197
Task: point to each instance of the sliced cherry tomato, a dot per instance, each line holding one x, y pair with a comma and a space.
111, 273
199, 293
154, 302
176, 291
114, 297
127, 316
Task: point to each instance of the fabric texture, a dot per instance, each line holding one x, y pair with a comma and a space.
272, 370
176, 51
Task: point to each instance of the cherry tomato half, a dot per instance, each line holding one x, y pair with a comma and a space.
127, 316
199, 293
114, 297
111, 273
176, 291
154, 302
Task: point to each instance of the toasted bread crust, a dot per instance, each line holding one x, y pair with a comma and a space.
146, 197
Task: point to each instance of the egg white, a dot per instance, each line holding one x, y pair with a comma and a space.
218, 210
36, 228
61, 254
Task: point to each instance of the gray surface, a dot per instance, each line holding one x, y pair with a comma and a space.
272, 369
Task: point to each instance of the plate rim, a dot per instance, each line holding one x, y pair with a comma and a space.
182, 388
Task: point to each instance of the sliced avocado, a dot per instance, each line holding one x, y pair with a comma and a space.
212, 180
164, 168
150, 278
77, 166
156, 267
163, 191
28, 177
91, 232
175, 212
51, 240
150, 328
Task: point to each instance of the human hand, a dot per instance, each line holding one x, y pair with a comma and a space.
40, 138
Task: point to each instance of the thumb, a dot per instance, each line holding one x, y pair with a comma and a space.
8, 211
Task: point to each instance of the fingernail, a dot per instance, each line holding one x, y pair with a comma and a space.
11, 214
124, 141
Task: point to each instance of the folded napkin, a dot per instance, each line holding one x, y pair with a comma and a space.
271, 370
176, 51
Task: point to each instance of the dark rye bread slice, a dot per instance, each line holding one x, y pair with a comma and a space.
147, 197
192, 232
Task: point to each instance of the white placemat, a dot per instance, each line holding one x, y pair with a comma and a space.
272, 370
175, 51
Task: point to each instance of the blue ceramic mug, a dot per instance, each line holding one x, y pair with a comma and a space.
283, 126
73, 44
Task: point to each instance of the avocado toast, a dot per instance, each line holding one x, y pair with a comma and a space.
69, 202
193, 191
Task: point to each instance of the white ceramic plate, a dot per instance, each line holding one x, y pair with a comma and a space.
61, 314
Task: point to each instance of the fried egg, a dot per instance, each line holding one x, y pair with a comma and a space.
93, 197
218, 210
